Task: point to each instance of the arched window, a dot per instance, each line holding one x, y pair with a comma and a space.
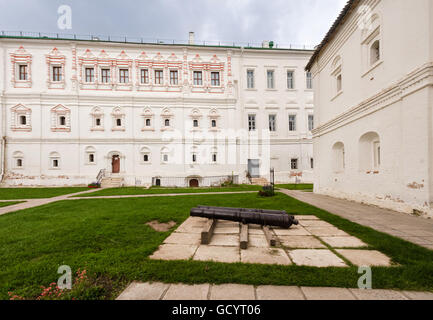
337, 74
147, 115
145, 155
195, 123
167, 122
338, 157
21, 118
18, 161
90, 155
97, 119
375, 52
54, 160
147, 122
164, 155
118, 119
370, 156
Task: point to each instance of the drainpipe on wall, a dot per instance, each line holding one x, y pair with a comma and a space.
3, 160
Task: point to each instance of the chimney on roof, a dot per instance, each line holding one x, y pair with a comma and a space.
191, 38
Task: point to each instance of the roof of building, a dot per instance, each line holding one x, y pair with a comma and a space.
350, 6
140, 41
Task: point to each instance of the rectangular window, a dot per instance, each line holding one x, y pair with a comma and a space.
290, 80
270, 74
294, 164
144, 76
310, 122
23, 72
292, 122
272, 123
91, 158
90, 74
252, 122
215, 79
312, 163
159, 76
198, 78
124, 75
376, 154
165, 157
214, 157
55, 163
174, 77
250, 79
105, 75
57, 73
309, 81
194, 158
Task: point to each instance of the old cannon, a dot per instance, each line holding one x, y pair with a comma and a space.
246, 216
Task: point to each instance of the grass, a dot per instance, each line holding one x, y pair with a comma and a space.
128, 191
109, 238
36, 193
9, 203
300, 186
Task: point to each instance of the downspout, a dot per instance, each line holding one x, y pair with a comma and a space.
3, 106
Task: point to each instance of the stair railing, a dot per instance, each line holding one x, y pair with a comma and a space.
100, 176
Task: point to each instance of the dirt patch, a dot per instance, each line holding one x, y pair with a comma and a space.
161, 227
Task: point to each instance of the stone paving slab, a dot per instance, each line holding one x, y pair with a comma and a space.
226, 230
143, 291
293, 231
279, 293
258, 241
265, 256
316, 258
158, 291
174, 252
326, 231
183, 238
225, 240
232, 292
255, 231
378, 294
413, 295
365, 257
218, 254
344, 242
301, 242
187, 292
315, 223
327, 293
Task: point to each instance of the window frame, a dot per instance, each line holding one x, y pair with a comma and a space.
159, 77
252, 122
56, 76
174, 80
215, 81
252, 78
290, 80
293, 124
124, 77
198, 81
270, 81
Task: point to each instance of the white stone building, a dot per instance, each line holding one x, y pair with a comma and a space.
145, 114
373, 77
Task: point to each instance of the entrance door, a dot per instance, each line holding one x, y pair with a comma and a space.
254, 168
193, 183
115, 164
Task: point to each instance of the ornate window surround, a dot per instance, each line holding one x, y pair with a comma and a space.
195, 115
21, 57
55, 59
18, 111
148, 115
57, 112
214, 65
97, 113
166, 114
118, 114
123, 61
214, 115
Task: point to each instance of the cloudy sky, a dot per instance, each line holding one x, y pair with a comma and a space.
296, 22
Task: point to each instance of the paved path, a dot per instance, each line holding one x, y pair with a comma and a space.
162, 291
414, 229
30, 203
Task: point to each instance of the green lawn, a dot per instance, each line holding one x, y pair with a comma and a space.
109, 238
301, 186
9, 203
36, 193
128, 191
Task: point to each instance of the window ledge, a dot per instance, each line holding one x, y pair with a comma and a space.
374, 66
251, 89
292, 90
339, 93
271, 89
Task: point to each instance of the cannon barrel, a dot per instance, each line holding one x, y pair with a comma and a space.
264, 219
245, 210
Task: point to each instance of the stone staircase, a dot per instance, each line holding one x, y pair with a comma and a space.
112, 182
259, 181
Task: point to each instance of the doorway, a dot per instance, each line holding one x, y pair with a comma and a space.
254, 168
193, 183
115, 164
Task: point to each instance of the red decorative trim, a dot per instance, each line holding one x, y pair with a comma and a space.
21, 56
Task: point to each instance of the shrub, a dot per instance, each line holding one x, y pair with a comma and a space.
267, 191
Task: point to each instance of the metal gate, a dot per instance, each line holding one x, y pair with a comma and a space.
254, 168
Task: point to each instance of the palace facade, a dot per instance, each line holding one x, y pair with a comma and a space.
74, 112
